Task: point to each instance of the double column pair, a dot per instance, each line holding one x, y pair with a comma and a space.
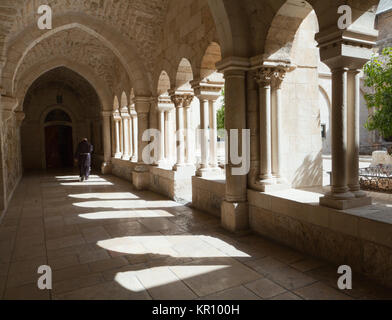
165, 119
345, 188
269, 79
208, 93
126, 134
182, 102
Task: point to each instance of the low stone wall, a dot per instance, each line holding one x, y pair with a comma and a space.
122, 169
359, 238
172, 184
208, 194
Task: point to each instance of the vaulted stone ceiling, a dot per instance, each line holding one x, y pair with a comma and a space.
79, 46
65, 78
139, 20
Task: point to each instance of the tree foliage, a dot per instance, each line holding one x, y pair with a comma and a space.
221, 115
378, 76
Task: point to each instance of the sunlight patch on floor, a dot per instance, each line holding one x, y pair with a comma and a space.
86, 183
151, 278
105, 196
126, 204
124, 214
181, 246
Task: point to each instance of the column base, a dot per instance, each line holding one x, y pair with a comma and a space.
273, 184
126, 157
358, 193
332, 201
208, 172
118, 155
235, 216
106, 168
141, 177
184, 168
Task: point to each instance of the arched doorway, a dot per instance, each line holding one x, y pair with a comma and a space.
58, 140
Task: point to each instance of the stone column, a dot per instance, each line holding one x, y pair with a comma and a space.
180, 102
234, 210
130, 127
140, 174
188, 135
264, 78
125, 125
117, 120
344, 105
339, 135
107, 148
170, 134
208, 93
213, 135
134, 136
269, 78
279, 76
353, 125
142, 106
203, 136
357, 49
162, 131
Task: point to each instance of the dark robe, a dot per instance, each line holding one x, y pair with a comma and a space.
83, 155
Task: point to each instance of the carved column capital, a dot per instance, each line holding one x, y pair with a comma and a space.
125, 112
165, 103
207, 90
116, 115
278, 76
264, 75
181, 100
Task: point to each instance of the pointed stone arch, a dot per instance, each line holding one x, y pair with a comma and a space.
36, 71
184, 75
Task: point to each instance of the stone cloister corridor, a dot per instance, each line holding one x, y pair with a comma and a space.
105, 240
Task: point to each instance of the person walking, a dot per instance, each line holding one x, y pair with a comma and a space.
83, 157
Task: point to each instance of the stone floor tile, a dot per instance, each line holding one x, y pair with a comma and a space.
265, 266
27, 292
265, 288
237, 293
162, 284
130, 228
109, 291
287, 296
94, 234
93, 255
108, 264
159, 224
290, 278
320, 291
76, 283
71, 272
63, 262
207, 276
65, 242
307, 265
